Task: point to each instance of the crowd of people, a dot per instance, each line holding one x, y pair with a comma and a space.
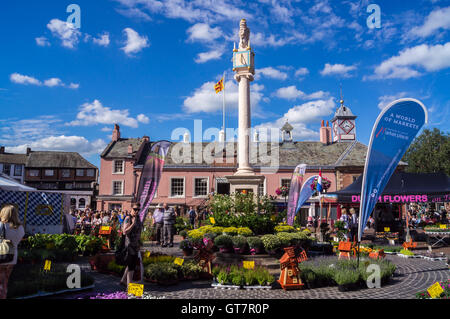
419, 216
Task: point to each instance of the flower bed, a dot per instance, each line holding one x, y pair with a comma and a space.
235, 277
163, 270
323, 272
445, 295
120, 295
62, 247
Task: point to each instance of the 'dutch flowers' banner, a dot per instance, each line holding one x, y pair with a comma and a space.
393, 132
151, 175
294, 192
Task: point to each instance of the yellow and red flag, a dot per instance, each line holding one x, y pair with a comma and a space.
219, 86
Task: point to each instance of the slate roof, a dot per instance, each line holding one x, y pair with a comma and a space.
311, 153
9, 158
119, 149
57, 159
343, 112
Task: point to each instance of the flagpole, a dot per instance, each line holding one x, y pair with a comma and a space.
224, 133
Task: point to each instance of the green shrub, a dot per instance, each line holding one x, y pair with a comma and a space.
285, 239
230, 231
161, 272
271, 242
244, 231
224, 277
190, 270
284, 228
346, 277
255, 242
239, 242
223, 241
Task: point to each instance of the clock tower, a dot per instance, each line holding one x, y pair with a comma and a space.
344, 124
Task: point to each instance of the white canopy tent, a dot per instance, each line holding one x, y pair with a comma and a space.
11, 185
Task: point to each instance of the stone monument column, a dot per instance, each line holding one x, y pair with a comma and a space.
244, 123
244, 66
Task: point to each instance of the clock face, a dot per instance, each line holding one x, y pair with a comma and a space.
347, 126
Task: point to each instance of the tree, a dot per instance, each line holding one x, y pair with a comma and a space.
429, 153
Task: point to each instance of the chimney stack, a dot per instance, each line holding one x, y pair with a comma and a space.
329, 134
130, 149
28, 151
2, 150
325, 133
116, 133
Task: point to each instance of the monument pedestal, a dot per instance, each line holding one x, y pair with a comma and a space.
249, 183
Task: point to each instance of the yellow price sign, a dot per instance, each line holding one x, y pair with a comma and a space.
136, 289
178, 261
48, 265
105, 228
212, 220
147, 254
443, 226
249, 264
387, 229
435, 290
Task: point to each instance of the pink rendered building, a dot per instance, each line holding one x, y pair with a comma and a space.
188, 180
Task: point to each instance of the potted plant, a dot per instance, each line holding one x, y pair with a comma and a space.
183, 233
224, 242
255, 244
240, 244
271, 243
186, 247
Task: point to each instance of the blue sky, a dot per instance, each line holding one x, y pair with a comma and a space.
151, 66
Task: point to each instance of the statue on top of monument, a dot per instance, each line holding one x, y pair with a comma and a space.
244, 35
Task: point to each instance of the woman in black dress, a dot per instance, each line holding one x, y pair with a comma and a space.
132, 227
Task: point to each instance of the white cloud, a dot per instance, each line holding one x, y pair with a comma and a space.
62, 144
386, 99
301, 115
205, 99
73, 86
209, 55
436, 20
292, 93
24, 79
103, 40
302, 72
42, 41
52, 82
134, 43
337, 69
403, 66
272, 73
95, 113
66, 32
143, 119
202, 32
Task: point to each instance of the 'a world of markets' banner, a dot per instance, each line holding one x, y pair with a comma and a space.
393, 132
151, 175
294, 192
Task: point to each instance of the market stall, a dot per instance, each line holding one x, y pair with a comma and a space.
40, 212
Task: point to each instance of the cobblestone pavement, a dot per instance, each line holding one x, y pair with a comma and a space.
412, 275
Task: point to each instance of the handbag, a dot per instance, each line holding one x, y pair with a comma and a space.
6, 247
122, 252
